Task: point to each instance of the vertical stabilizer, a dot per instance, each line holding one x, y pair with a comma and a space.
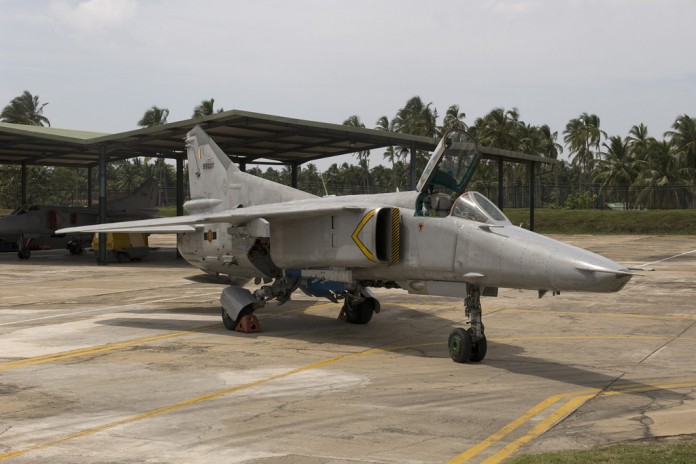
141, 203
208, 168
217, 184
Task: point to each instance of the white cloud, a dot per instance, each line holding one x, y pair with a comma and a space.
93, 15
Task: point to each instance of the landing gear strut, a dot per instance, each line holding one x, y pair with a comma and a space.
23, 248
359, 306
238, 304
469, 344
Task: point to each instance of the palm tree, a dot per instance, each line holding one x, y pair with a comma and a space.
658, 171
206, 108
550, 148
615, 169
684, 138
499, 128
581, 135
416, 118
363, 155
453, 120
638, 140
502, 128
155, 116
390, 153
25, 109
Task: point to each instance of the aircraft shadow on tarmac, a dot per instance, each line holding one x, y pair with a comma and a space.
406, 331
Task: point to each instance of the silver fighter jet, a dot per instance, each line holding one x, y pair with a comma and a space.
438, 240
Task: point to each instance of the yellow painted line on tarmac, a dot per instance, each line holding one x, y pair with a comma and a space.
183, 404
570, 406
573, 401
319, 307
92, 350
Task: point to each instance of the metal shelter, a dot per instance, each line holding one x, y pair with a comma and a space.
247, 138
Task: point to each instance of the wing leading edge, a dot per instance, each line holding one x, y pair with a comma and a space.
290, 210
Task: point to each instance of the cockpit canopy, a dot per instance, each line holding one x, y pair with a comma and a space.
447, 173
442, 187
451, 165
476, 207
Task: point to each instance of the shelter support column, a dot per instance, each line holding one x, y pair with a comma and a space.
102, 204
412, 169
179, 184
179, 190
89, 186
532, 188
293, 175
23, 185
501, 199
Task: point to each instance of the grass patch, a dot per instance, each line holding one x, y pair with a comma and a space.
562, 221
167, 211
672, 452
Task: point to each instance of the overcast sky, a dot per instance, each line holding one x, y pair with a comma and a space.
100, 64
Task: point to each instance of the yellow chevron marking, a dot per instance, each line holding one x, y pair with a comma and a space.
368, 254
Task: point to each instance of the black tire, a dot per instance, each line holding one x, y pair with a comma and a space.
360, 314
478, 350
459, 345
75, 248
24, 254
122, 257
227, 320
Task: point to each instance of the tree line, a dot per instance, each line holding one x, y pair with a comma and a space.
636, 170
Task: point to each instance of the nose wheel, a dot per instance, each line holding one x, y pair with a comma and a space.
469, 345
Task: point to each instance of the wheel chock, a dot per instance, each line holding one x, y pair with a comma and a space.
248, 324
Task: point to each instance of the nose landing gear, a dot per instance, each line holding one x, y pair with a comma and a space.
469, 345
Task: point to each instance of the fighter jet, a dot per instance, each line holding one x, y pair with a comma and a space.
33, 227
437, 240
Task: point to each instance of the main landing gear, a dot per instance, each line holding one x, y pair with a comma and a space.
469, 345
23, 247
238, 304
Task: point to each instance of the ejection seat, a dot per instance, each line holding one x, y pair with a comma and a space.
440, 204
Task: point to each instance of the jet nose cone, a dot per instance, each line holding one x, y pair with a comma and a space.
602, 274
569, 268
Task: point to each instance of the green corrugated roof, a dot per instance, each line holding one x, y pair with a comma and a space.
245, 136
52, 132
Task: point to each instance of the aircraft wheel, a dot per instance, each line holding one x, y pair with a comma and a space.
227, 320
24, 254
75, 248
360, 314
459, 345
478, 350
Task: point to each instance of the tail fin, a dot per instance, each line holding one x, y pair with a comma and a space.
141, 203
217, 184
